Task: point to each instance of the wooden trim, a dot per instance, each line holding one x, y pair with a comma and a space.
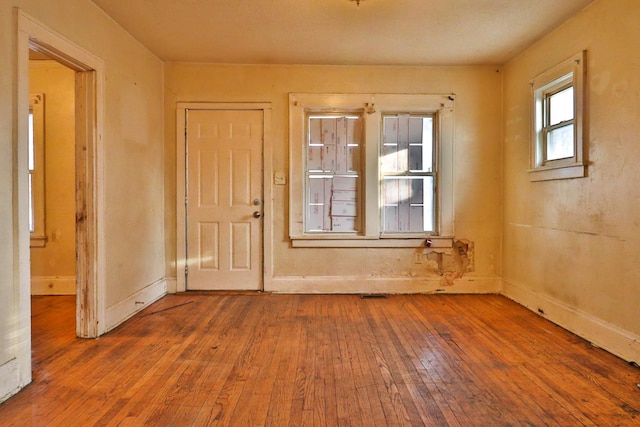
614, 339
181, 167
89, 164
345, 242
53, 285
9, 373
124, 309
87, 322
387, 285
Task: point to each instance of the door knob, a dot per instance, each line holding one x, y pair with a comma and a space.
257, 214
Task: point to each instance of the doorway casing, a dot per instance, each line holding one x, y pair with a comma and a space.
90, 274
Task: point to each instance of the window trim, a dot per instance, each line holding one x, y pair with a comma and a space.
570, 72
373, 107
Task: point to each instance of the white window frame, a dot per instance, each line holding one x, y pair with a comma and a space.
38, 235
411, 174
373, 107
570, 72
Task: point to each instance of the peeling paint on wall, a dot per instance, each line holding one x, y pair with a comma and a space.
454, 263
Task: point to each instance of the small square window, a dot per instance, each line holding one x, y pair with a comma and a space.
557, 146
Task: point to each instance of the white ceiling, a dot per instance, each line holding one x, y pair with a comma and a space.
378, 32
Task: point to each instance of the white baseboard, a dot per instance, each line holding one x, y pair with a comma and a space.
613, 339
53, 285
124, 309
9, 381
172, 284
393, 285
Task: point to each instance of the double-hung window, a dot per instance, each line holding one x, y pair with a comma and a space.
333, 171
408, 175
558, 108
371, 170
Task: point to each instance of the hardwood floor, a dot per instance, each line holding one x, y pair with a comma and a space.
321, 360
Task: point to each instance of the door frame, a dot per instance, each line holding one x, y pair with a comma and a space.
89, 188
181, 170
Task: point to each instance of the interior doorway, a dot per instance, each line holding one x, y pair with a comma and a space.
86, 193
51, 176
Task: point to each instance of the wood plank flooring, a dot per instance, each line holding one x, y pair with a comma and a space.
321, 360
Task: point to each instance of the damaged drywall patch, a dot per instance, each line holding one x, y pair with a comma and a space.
454, 263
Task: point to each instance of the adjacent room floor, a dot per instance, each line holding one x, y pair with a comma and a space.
323, 360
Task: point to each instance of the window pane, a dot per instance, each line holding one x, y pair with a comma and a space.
408, 204
389, 160
389, 152
32, 225
421, 146
332, 203
561, 106
333, 144
31, 144
407, 144
318, 203
560, 143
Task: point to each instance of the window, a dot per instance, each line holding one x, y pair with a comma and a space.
371, 170
332, 172
36, 171
557, 148
408, 174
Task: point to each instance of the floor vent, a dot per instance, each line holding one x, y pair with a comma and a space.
372, 296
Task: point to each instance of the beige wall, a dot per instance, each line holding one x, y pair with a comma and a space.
477, 169
571, 246
55, 263
132, 179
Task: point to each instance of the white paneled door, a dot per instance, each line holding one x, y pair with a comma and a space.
224, 205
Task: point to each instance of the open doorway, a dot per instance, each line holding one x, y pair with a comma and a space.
52, 176
52, 194
86, 192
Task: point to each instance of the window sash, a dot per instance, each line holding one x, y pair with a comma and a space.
332, 170
400, 211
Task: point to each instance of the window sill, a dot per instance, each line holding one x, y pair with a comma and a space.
558, 172
368, 242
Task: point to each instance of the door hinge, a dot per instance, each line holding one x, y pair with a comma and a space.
186, 270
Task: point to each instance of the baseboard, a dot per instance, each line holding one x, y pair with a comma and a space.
388, 285
172, 284
124, 309
9, 381
53, 285
613, 339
